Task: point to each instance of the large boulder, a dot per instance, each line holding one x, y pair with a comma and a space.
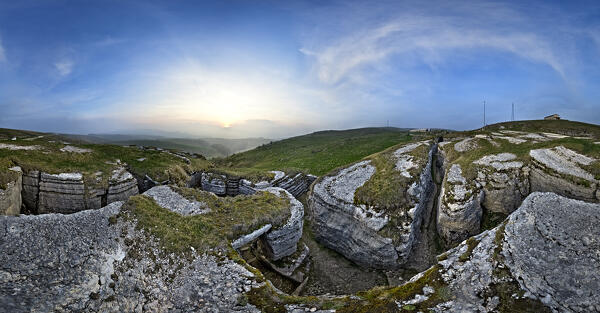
543, 258
371, 235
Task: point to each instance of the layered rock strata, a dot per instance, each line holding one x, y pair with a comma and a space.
223, 185
503, 180
283, 241
69, 193
353, 230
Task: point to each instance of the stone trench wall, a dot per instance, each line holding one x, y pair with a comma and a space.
339, 224
10, 198
69, 193
502, 184
223, 185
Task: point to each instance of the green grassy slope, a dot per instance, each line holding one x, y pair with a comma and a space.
50, 159
319, 152
564, 127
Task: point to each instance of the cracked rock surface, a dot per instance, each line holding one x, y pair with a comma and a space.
91, 262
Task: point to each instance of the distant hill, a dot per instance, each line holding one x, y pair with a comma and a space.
208, 147
319, 152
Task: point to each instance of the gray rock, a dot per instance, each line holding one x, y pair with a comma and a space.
166, 198
10, 198
121, 186
553, 267
296, 185
214, 183
335, 225
282, 241
61, 193
352, 230
31, 189
84, 262
554, 263
459, 212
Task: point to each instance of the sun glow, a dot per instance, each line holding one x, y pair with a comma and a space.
223, 98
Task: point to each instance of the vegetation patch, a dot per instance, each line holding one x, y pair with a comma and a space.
229, 218
317, 153
471, 244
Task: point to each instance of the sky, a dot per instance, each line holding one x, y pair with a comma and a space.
276, 69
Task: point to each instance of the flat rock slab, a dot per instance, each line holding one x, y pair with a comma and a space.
17, 147
166, 198
74, 149
564, 161
559, 260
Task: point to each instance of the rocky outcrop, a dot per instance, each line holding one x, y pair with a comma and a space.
214, 183
224, 185
355, 230
69, 193
283, 241
552, 168
61, 193
297, 184
90, 261
459, 212
553, 270
121, 186
165, 197
10, 197
503, 180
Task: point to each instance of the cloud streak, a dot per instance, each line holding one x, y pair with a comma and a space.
434, 38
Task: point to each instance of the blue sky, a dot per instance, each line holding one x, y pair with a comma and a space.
282, 68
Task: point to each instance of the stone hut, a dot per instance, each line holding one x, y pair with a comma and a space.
552, 117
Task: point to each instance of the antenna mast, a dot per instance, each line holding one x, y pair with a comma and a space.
513, 112
484, 124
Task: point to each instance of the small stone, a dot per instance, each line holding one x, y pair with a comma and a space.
313, 309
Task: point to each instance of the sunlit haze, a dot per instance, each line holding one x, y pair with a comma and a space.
280, 68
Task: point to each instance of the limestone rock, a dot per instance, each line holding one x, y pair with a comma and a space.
558, 262
296, 185
459, 212
61, 193
10, 197
166, 198
86, 262
282, 241
121, 186
542, 273
214, 183
31, 188
552, 168
354, 230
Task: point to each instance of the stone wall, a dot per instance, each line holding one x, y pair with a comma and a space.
69, 193
10, 198
223, 185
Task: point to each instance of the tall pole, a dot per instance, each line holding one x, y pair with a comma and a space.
513, 112
484, 113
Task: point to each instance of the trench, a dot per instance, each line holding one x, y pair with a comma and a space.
333, 274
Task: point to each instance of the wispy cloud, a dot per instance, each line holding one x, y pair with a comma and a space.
432, 38
64, 67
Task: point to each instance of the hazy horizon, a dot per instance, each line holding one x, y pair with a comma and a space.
270, 69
